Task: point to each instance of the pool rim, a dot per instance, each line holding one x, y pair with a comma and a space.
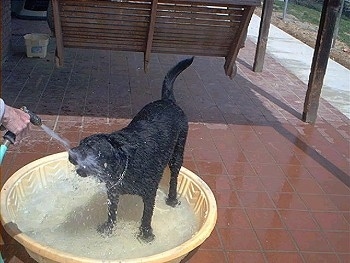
33, 246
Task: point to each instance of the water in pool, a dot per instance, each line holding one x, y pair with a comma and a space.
65, 214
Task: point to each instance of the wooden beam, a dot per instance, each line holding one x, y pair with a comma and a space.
58, 33
320, 59
263, 35
230, 60
152, 23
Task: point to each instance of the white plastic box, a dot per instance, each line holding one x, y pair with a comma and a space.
36, 45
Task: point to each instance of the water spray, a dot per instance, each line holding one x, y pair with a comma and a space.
10, 137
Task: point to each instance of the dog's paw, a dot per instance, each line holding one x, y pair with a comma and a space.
146, 235
105, 229
172, 202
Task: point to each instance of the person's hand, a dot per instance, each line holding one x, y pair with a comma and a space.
16, 121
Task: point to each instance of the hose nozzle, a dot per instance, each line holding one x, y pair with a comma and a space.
10, 137
34, 119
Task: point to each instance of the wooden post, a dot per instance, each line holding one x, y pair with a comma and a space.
263, 35
320, 59
58, 33
152, 24
230, 60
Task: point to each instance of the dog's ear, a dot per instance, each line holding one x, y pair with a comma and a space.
124, 152
121, 148
120, 155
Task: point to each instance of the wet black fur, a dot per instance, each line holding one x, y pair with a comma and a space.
132, 160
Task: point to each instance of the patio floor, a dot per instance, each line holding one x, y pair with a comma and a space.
279, 183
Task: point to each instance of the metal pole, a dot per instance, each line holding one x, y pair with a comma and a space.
337, 24
285, 9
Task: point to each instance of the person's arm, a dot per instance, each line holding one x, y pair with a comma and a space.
2, 108
14, 120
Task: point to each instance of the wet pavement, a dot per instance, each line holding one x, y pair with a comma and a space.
280, 183
296, 57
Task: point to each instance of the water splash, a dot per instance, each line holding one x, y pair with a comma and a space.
88, 163
54, 135
66, 213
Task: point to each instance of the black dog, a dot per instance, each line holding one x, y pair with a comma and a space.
132, 160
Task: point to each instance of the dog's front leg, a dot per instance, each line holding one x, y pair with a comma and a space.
112, 202
146, 232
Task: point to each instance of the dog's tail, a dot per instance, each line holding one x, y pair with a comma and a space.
167, 89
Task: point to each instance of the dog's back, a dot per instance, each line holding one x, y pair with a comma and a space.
164, 109
159, 125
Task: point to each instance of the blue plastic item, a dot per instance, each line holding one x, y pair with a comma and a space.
3, 149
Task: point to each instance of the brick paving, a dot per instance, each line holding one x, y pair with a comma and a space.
280, 184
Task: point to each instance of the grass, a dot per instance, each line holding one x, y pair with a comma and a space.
312, 16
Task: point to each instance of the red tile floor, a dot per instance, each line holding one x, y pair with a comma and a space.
279, 183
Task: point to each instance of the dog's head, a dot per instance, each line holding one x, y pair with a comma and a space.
97, 156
